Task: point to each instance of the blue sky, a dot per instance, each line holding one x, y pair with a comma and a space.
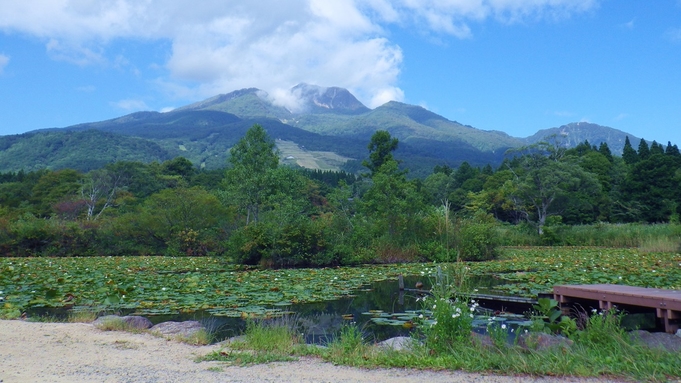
511, 65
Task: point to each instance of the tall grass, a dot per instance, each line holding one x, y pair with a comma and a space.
650, 238
599, 349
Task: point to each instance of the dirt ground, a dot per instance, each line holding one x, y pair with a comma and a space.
62, 352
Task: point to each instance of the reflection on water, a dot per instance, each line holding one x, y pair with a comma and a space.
320, 322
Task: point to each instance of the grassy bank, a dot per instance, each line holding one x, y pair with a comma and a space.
661, 237
600, 349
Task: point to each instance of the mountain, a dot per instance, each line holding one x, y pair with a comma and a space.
314, 127
84, 150
245, 103
318, 100
336, 112
575, 133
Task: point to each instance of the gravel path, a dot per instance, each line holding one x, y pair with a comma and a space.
59, 352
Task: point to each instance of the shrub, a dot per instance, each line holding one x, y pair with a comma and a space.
476, 239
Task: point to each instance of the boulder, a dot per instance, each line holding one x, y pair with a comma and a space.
481, 340
178, 329
137, 322
542, 341
400, 343
660, 340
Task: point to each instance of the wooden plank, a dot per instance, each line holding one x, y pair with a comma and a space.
667, 303
630, 295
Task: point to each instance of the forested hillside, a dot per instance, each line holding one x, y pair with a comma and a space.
259, 211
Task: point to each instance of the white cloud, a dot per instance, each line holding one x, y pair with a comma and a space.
131, 105
453, 16
86, 88
674, 34
217, 46
4, 60
74, 53
630, 24
285, 98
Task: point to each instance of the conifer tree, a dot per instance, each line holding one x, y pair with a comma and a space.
672, 150
643, 150
605, 150
656, 148
629, 155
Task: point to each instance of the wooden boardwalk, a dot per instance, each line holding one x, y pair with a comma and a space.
667, 303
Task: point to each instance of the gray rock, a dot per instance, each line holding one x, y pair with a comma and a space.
178, 329
542, 341
400, 343
678, 333
104, 319
138, 322
481, 340
660, 340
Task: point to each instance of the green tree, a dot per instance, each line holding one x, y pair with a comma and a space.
178, 220
178, 166
605, 150
249, 182
653, 186
629, 155
381, 148
52, 188
99, 191
643, 150
438, 186
544, 186
391, 201
656, 148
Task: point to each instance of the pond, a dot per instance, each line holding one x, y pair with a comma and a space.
319, 322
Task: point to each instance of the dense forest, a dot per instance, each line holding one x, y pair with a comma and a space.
257, 211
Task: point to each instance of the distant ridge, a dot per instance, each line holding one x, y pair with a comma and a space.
575, 133
314, 126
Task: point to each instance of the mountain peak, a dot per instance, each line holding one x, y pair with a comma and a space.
317, 99
220, 99
575, 133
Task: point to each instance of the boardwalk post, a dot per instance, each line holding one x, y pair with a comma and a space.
666, 303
